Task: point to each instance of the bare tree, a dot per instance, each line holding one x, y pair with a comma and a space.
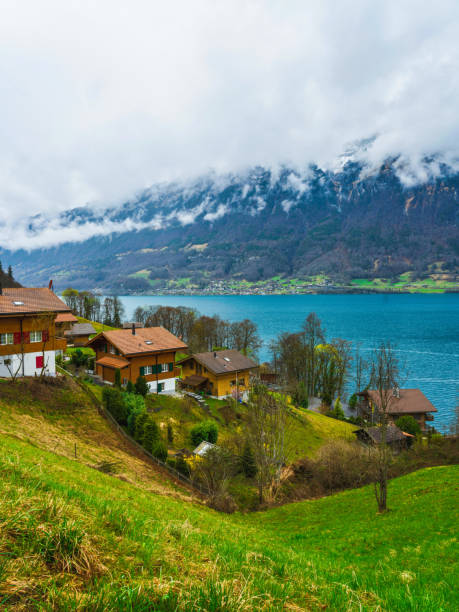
385, 375
15, 364
267, 431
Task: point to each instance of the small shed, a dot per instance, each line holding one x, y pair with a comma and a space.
395, 437
203, 448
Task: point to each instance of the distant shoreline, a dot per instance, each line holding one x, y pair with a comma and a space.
337, 291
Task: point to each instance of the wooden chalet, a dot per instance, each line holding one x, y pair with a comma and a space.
145, 351
79, 334
29, 339
401, 402
219, 373
395, 437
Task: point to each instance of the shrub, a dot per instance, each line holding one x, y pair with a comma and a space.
114, 403
182, 466
206, 430
300, 395
78, 358
132, 418
130, 387
159, 450
408, 424
353, 401
170, 433
151, 434
139, 422
118, 378
249, 467
91, 363
141, 386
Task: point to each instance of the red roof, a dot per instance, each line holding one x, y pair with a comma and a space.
66, 317
113, 362
410, 401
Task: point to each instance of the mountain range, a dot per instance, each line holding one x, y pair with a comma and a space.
346, 223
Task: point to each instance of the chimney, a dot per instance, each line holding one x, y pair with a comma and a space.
50, 286
133, 329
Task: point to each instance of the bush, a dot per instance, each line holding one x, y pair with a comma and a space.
300, 395
114, 402
130, 387
353, 401
141, 386
182, 466
139, 423
132, 416
408, 424
159, 450
249, 467
170, 433
78, 358
118, 378
204, 431
151, 434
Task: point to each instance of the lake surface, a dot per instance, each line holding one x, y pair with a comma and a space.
425, 329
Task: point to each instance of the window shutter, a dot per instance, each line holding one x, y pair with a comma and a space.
142, 371
171, 367
39, 361
155, 368
105, 347
45, 335
26, 337
17, 338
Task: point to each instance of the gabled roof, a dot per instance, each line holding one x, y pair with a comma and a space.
29, 300
203, 448
393, 433
223, 362
65, 317
145, 340
410, 401
80, 329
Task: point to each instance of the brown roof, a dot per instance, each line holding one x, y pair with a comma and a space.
80, 329
25, 300
113, 362
411, 401
393, 433
145, 340
194, 380
66, 317
221, 362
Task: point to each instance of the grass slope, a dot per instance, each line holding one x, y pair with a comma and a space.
74, 538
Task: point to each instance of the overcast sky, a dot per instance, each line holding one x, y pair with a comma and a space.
100, 99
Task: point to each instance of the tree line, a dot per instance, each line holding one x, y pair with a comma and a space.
109, 311
201, 332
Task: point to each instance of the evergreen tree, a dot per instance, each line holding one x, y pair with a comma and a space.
182, 466
141, 386
151, 434
249, 466
1, 268
139, 423
170, 433
130, 387
10, 272
159, 450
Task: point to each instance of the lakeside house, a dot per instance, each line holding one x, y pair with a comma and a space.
219, 373
145, 351
395, 437
79, 334
401, 402
29, 339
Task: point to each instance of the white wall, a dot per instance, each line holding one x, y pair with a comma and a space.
30, 368
169, 385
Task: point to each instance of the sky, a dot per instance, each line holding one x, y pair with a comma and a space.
100, 100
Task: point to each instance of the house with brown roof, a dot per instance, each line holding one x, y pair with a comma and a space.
29, 342
79, 333
145, 351
395, 437
63, 322
219, 373
400, 402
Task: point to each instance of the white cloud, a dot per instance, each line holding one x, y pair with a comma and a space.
102, 99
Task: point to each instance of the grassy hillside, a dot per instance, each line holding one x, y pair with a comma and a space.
74, 538
61, 419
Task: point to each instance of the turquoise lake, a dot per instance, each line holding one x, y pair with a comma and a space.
424, 327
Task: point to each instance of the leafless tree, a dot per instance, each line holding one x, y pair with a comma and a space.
215, 469
268, 436
385, 380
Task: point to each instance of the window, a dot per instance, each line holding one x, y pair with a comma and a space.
36, 336
241, 381
164, 367
6, 338
112, 349
147, 370
39, 361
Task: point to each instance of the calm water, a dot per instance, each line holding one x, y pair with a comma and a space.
424, 327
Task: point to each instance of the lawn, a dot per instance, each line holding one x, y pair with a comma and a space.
75, 538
